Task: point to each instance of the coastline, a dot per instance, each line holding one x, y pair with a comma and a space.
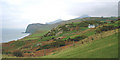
15, 39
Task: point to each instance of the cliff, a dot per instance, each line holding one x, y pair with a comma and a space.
31, 28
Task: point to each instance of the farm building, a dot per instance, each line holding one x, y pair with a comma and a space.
91, 26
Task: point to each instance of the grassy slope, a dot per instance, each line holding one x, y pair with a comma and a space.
102, 48
96, 47
35, 36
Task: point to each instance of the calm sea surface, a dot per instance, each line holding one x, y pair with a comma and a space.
12, 34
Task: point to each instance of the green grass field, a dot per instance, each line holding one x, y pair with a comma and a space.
35, 36
102, 48
96, 45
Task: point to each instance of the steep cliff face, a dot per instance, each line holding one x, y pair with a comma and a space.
32, 28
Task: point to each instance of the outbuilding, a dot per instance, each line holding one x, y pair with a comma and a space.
91, 26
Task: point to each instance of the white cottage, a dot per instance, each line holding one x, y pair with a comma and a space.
91, 26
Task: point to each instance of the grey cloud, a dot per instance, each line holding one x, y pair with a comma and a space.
95, 9
11, 13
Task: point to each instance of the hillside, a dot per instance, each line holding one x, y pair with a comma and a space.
106, 47
69, 39
32, 28
56, 21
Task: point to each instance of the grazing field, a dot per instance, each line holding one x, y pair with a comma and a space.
103, 48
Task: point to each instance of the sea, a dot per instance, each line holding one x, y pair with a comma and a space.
12, 34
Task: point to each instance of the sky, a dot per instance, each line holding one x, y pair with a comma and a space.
20, 13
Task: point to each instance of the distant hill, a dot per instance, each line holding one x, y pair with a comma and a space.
83, 16
56, 21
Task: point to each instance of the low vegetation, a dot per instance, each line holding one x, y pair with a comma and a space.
77, 38
70, 35
18, 53
106, 28
101, 48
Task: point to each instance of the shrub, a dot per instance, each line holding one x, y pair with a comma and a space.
78, 38
64, 28
3, 52
39, 49
58, 43
46, 46
105, 28
53, 38
18, 53
112, 22
27, 52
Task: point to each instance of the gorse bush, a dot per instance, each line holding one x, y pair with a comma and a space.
39, 49
58, 43
3, 52
46, 46
18, 53
105, 28
55, 43
78, 38
64, 28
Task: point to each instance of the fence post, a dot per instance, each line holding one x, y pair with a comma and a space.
101, 35
44, 52
73, 43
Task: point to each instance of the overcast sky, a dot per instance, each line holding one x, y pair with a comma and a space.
20, 13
